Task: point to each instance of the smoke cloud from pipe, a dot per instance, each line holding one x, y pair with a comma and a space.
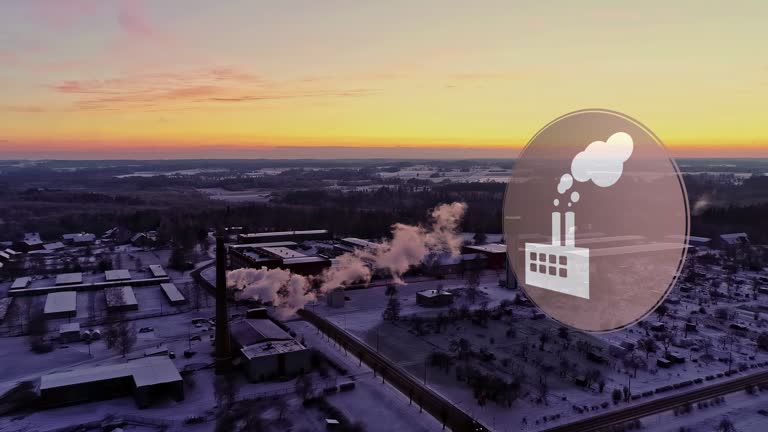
409, 246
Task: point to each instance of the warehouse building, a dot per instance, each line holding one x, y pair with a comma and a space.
60, 305
174, 296
120, 299
146, 379
267, 351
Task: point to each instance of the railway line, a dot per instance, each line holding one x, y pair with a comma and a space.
443, 410
635, 412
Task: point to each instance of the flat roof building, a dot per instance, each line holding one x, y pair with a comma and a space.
21, 283
69, 278
60, 305
157, 270
117, 275
120, 299
144, 378
174, 296
69, 332
268, 351
433, 297
51, 247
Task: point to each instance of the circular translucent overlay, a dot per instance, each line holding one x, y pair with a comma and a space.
596, 220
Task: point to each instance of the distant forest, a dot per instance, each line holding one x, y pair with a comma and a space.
347, 198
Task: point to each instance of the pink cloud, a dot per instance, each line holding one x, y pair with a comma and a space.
184, 90
132, 19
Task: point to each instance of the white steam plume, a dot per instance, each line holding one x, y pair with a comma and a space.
409, 246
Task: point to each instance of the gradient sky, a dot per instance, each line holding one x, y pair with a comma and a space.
192, 78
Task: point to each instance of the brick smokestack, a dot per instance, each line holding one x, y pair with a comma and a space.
223, 348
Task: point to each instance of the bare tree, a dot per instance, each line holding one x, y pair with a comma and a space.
304, 387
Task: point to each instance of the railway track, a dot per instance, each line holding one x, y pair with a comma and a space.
631, 413
440, 408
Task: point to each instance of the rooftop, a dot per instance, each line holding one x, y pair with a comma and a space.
264, 349
282, 252
252, 331
304, 260
113, 275
172, 292
21, 282
361, 243
434, 293
285, 244
489, 248
145, 372
157, 270
64, 301
69, 278
119, 296
283, 233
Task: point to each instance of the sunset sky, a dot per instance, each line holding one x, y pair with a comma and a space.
201, 78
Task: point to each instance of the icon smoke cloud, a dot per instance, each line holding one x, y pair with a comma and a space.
603, 161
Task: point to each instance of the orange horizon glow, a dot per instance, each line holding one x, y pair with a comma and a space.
143, 77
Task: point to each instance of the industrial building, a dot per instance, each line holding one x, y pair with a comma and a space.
434, 298
60, 305
275, 236
350, 244
276, 255
174, 296
120, 299
267, 351
145, 378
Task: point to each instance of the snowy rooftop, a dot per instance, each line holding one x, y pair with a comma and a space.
69, 278
735, 238
433, 293
283, 233
54, 246
119, 296
114, 275
304, 259
270, 348
172, 292
21, 282
252, 331
57, 302
282, 252
157, 270
360, 243
285, 244
145, 372
489, 248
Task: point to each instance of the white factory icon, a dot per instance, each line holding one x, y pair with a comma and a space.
563, 267
559, 267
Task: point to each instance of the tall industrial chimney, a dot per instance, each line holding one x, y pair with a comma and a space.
223, 343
